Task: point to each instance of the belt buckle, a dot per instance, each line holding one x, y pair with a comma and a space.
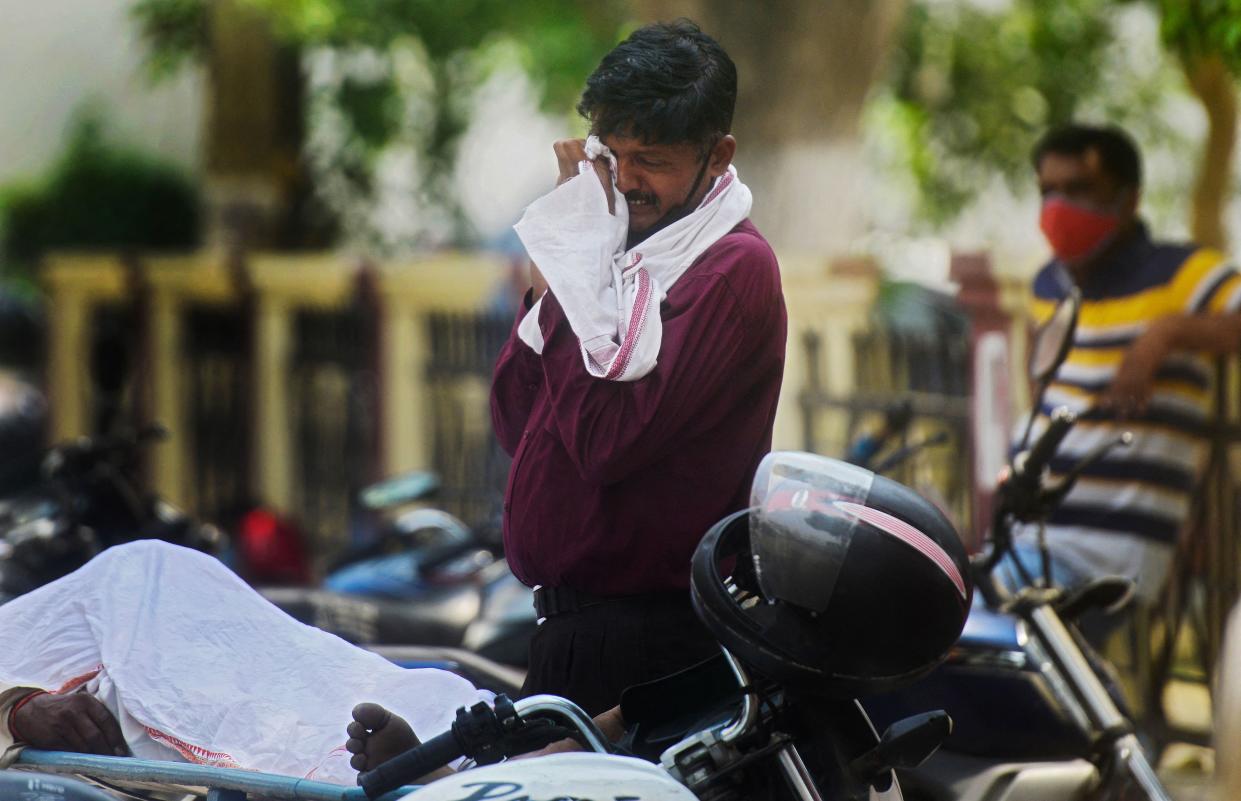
538, 599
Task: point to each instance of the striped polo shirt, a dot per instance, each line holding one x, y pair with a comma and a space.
1125, 512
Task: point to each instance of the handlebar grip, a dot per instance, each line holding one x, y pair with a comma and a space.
1044, 448
417, 761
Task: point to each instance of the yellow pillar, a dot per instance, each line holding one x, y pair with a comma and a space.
68, 388
76, 283
834, 303
169, 458
273, 441
410, 292
407, 348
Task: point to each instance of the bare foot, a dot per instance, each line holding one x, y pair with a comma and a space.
376, 735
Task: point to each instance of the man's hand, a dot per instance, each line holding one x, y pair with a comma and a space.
570, 153
75, 722
1130, 390
537, 282
611, 725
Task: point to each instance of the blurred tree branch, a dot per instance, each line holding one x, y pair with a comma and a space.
557, 42
1206, 35
972, 88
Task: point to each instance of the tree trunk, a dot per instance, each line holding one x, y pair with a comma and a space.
805, 69
1214, 86
254, 129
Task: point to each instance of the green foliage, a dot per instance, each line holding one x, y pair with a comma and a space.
98, 196
562, 40
970, 89
175, 32
457, 42
1197, 28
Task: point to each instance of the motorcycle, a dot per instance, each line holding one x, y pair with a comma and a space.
774, 715
1036, 715
88, 499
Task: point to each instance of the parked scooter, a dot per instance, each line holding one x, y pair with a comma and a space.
1035, 718
428, 580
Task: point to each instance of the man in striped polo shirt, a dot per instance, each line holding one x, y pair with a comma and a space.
1152, 317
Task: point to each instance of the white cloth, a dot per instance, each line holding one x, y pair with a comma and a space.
611, 295
192, 662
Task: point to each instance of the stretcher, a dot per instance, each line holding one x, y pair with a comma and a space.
136, 776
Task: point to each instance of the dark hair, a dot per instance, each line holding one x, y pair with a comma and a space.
667, 83
1115, 148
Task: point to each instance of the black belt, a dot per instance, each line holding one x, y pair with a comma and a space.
552, 601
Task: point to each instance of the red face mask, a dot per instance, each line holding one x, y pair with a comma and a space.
1076, 232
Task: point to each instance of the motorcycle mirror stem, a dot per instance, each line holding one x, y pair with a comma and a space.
1054, 495
906, 743
1048, 350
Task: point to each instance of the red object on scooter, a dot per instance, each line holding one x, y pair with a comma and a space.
271, 549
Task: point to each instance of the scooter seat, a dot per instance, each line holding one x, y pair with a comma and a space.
988, 628
439, 617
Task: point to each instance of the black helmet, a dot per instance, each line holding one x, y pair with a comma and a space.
845, 582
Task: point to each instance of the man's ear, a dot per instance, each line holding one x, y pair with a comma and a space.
721, 156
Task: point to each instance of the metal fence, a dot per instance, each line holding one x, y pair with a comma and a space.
465, 453
334, 409
929, 371
218, 372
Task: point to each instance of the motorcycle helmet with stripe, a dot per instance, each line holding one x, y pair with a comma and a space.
835, 580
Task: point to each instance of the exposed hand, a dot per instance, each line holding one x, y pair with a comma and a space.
570, 153
1131, 389
610, 724
75, 722
537, 282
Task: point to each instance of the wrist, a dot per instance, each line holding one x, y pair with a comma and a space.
1163, 334
13, 723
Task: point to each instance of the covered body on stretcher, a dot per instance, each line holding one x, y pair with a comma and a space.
197, 667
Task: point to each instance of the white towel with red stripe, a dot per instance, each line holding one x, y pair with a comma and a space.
611, 294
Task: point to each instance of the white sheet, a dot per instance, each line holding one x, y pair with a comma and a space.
195, 663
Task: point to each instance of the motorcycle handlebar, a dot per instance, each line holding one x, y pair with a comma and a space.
417, 761
84, 452
1044, 448
1122, 440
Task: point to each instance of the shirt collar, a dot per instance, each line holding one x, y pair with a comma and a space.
1125, 255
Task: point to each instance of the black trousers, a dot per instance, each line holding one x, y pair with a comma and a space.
591, 656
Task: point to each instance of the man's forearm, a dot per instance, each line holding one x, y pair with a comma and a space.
1215, 333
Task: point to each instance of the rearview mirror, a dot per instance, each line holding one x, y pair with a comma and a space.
1053, 340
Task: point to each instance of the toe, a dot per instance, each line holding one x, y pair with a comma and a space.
372, 716
357, 730
358, 762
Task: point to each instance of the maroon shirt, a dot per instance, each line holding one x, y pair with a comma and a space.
614, 483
